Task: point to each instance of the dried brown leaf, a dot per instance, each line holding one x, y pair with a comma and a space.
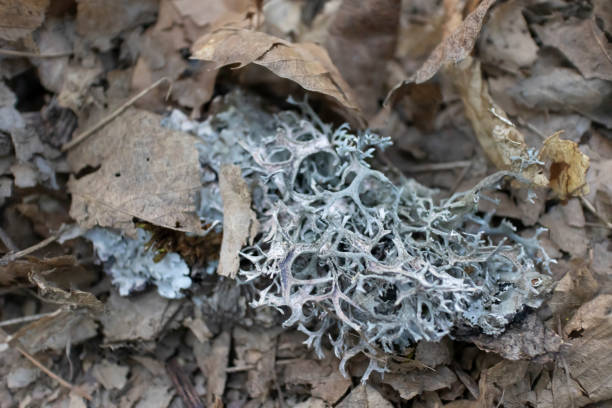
588, 359
570, 239
575, 288
147, 172
583, 43
213, 359
413, 383
256, 348
433, 354
306, 64
98, 22
57, 330
159, 51
454, 48
503, 143
369, 30
529, 339
215, 10
138, 318
364, 396
564, 89
568, 168
505, 39
19, 18
111, 375
239, 221
323, 377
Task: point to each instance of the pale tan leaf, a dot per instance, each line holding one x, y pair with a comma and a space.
568, 168
503, 143
306, 64
19, 18
147, 172
454, 48
239, 221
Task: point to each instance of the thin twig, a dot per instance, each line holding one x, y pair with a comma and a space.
24, 319
183, 385
592, 209
421, 168
20, 254
78, 391
78, 139
27, 54
239, 368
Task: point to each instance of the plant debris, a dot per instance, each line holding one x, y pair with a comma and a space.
186, 219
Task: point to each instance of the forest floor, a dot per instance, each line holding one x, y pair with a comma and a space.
464, 88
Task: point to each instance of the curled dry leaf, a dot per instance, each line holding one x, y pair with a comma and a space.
568, 168
454, 48
147, 172
306, 64
19, 18
239, 221
503, 143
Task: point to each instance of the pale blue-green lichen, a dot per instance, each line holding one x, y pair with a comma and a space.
347, 254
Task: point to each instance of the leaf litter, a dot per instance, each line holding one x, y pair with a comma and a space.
480, 86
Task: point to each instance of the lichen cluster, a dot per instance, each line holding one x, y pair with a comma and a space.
351, 256
348, 254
